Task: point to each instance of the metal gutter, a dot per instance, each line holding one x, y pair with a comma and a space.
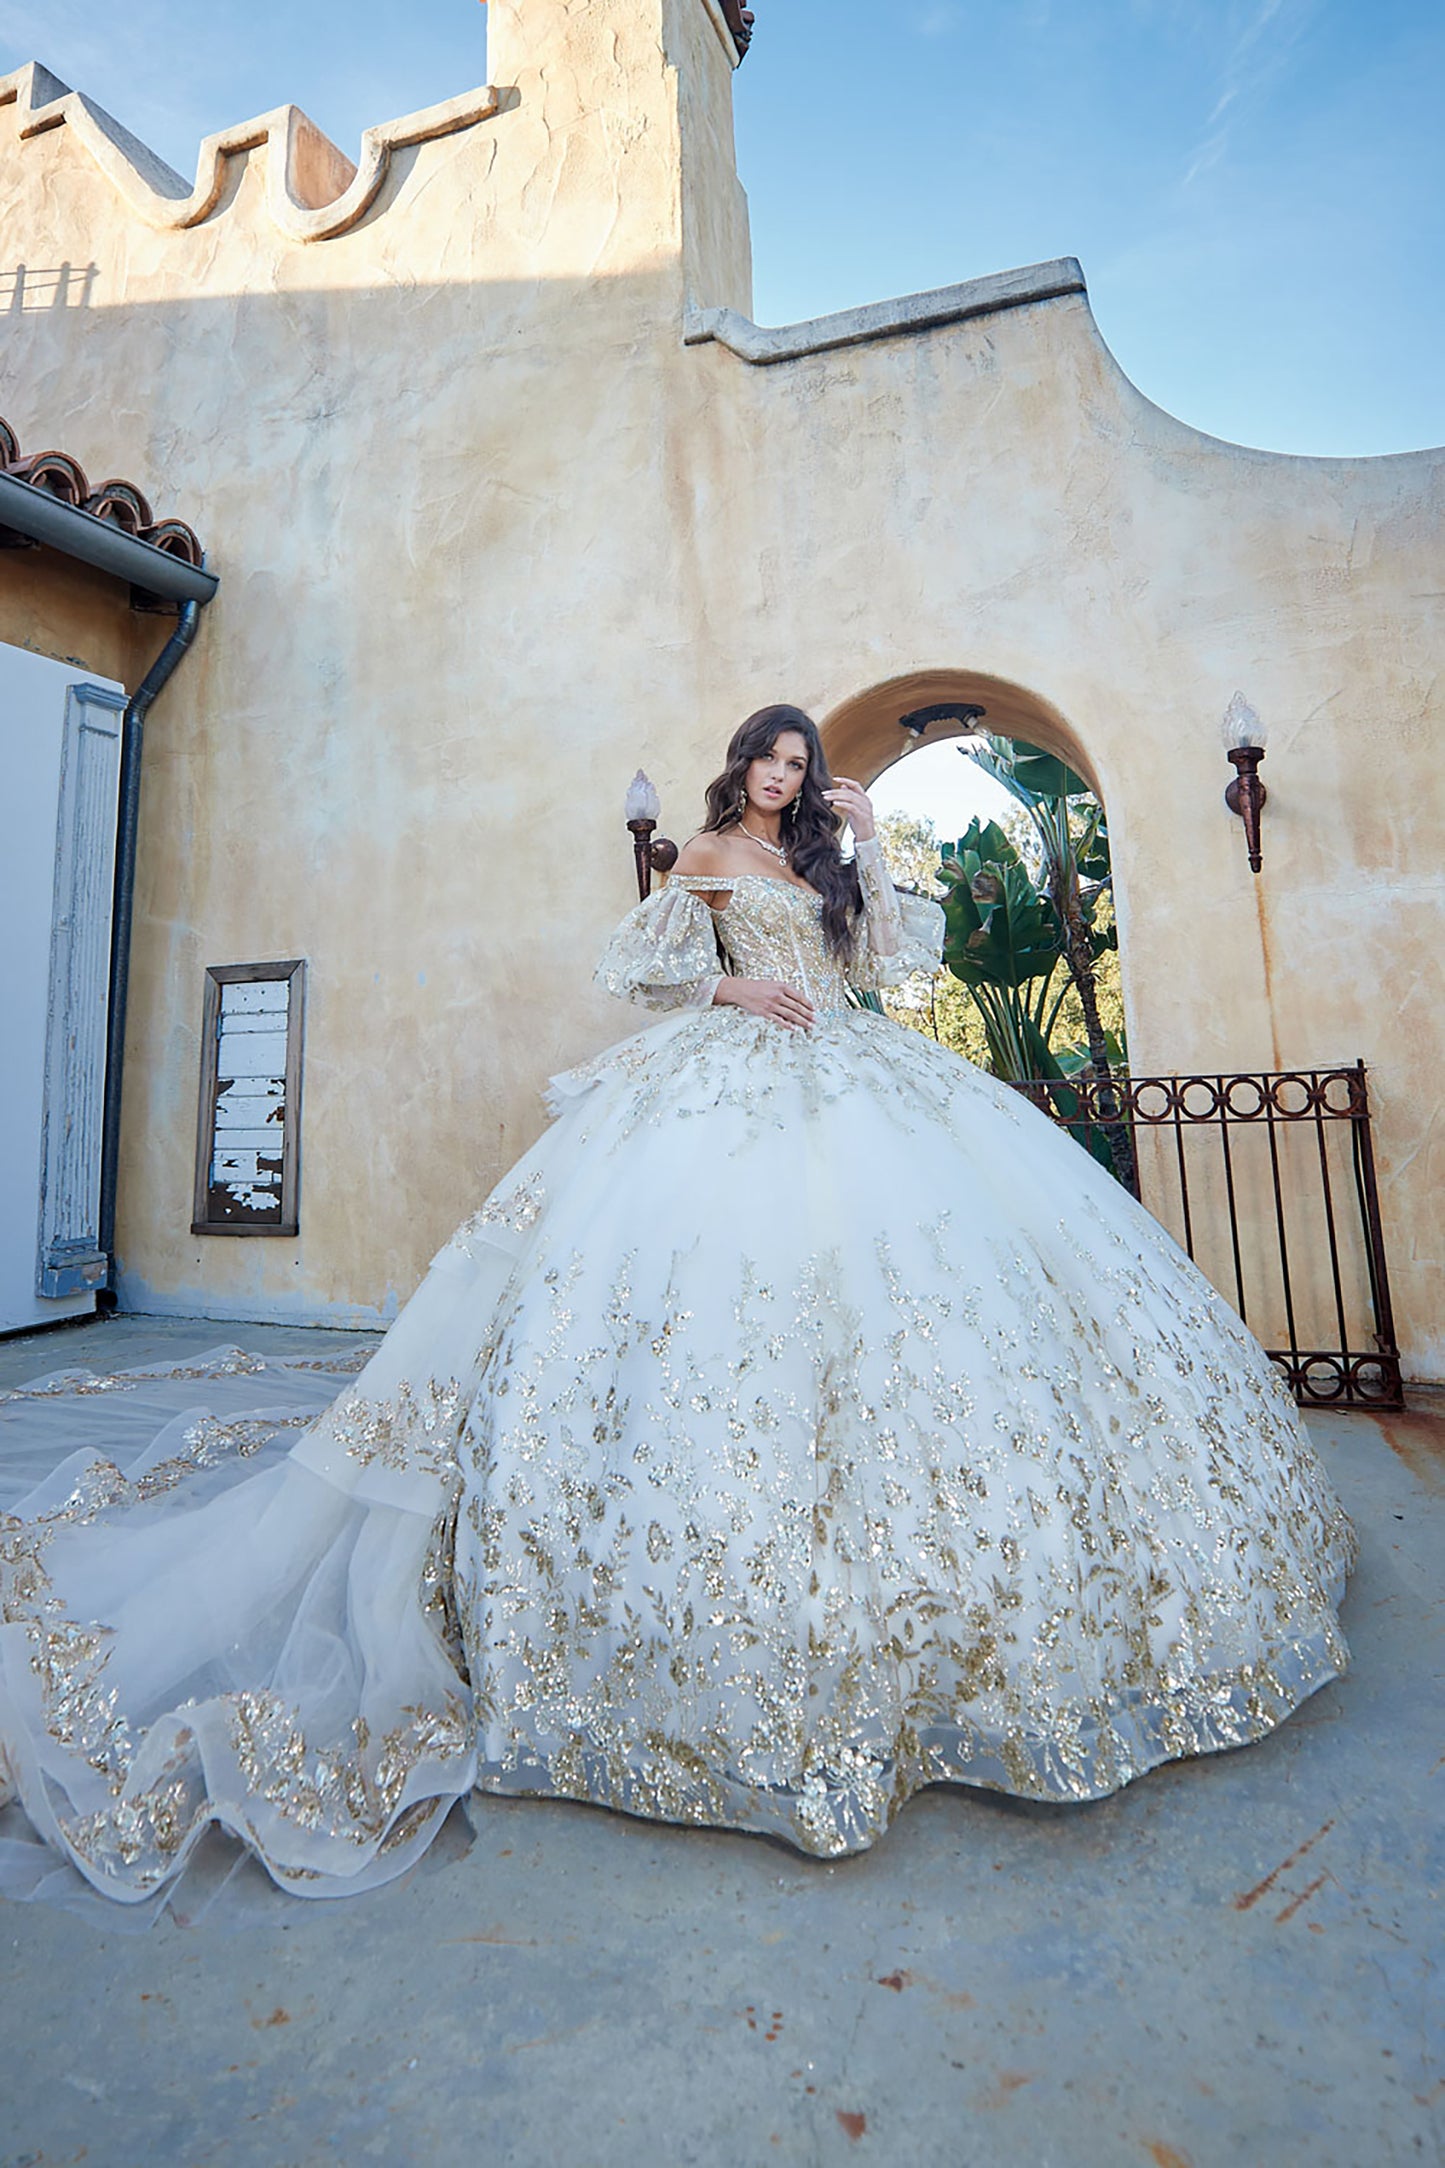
127, 828
42, 517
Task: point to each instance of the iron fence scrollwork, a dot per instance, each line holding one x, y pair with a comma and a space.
1268, 1181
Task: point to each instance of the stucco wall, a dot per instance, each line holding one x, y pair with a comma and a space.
490, 535
997, 499
76, 615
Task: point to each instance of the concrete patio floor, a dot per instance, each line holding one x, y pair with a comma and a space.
1236, 1961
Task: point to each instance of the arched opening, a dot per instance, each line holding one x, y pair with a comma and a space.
864, 735
1265, 1179
1034, 987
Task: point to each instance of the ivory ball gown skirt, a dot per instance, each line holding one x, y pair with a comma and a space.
803, 1421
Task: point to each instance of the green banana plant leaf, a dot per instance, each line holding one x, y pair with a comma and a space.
999, 930
1043, 774
1026, 773
1095, 1140
1040, 1058
1073, 1059
1093, 851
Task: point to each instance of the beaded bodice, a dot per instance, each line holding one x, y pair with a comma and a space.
669, 951
772, 929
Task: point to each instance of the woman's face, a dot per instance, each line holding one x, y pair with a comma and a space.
774, 779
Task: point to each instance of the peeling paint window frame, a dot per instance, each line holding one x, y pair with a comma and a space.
292, 975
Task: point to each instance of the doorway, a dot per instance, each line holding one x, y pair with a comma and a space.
60, 748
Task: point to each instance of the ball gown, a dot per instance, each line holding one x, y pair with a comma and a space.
804, 1420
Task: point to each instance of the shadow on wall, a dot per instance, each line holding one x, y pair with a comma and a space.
56, 286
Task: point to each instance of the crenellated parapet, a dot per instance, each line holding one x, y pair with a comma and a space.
313, 191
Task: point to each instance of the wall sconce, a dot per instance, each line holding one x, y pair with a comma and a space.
643, 808
947, 711
1246, 795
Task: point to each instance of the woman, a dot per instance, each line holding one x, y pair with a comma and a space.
804, 1420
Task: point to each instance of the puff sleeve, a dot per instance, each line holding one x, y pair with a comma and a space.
901, 934
664, 954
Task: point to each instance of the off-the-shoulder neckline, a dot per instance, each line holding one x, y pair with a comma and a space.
707, 883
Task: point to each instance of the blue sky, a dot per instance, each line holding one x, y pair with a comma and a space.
1254, 187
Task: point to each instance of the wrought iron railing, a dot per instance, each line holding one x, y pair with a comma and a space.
1268, 1181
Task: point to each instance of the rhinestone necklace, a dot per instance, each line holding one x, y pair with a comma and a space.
763, 844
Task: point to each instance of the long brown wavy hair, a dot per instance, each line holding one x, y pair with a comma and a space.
810, 827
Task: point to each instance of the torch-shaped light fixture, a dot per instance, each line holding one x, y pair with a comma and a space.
643, 809
966, 712
1244, 748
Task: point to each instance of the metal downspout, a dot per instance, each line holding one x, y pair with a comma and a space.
123, 911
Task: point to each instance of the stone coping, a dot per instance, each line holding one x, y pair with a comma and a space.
885, 319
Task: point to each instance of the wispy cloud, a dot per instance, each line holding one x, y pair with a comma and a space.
110, 55
936, 22
1257, 51
26, 35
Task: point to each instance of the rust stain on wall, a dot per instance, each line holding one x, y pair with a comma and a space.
1266, 950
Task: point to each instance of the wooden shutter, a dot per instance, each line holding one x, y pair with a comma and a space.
70, 1258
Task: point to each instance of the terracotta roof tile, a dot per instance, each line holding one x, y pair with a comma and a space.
119, 503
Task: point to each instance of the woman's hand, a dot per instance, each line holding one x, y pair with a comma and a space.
852, 801
766, 997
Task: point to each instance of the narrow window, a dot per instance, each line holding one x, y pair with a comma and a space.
247, 1149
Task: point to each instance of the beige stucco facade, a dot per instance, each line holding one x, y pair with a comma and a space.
497, 520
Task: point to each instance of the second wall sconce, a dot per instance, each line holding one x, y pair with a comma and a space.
1246, 795
643, 810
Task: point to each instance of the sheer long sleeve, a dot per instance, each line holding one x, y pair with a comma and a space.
664, 954
901, 934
